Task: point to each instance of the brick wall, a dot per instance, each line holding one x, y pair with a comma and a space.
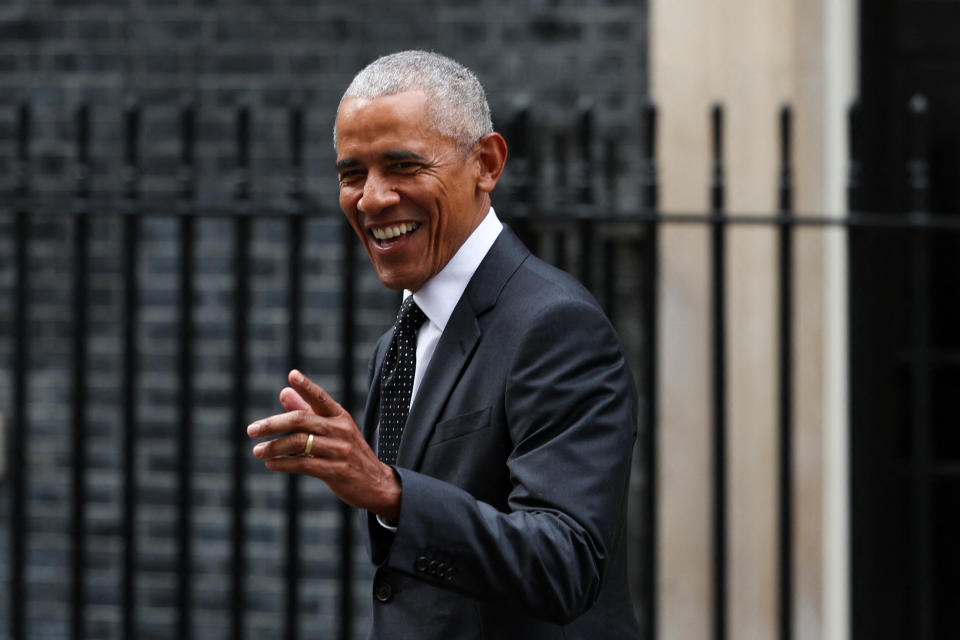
553, 57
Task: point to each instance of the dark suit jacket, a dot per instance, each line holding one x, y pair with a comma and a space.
515, 462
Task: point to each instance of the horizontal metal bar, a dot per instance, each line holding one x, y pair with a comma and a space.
932, 357
175, 208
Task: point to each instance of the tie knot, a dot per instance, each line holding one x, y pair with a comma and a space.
410, 317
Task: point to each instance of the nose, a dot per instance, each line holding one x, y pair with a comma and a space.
378, 194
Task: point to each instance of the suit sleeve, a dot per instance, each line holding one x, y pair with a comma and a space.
570, 406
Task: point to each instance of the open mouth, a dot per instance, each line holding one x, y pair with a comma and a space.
386, 237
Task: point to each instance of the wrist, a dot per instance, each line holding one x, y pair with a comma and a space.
389, 512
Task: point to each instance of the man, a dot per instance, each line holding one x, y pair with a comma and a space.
500, 406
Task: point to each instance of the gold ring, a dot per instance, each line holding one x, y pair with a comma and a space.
306, 451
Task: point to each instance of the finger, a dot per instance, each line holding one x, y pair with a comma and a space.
299, 464
318, 399
288, 445
283, 423
292, 401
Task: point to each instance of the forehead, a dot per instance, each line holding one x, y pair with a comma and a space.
401, 119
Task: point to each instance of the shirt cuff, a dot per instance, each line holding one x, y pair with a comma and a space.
386, 526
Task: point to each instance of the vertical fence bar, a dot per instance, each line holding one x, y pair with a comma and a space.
241, 366
853, 195
185, 360
561, 170
785, 237
79, 409
586, 235
186, 172
585, 132
522, 140
609, 264
853, 158
608, 275
918, 164
294, 303
918, 191
348, 344
719, 363
560, 255
519, 131
17, 434
650, 195
584, 177
530, 137
563, 191
128, 447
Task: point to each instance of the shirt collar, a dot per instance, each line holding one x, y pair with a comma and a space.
440, 294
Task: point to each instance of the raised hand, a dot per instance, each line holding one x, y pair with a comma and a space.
338, 453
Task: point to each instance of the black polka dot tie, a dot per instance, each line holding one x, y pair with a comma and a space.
396, 379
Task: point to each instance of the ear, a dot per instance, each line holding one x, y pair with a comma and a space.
491, 154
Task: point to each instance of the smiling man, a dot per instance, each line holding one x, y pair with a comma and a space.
494, 454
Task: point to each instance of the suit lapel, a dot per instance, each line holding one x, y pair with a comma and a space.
453, 353
456, 345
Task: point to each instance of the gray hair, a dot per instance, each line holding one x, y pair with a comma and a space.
456, 100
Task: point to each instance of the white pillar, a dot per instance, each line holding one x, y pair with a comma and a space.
752, 56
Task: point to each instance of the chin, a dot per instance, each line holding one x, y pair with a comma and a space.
394, 282
389, 284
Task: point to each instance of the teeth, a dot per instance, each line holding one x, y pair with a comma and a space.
394, 231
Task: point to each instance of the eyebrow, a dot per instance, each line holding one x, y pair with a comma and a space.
403, 154
393, 156
346, 163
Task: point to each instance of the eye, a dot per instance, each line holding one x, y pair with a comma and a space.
351, 175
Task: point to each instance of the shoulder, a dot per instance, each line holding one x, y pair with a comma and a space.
516, 275
541, 292
543, 312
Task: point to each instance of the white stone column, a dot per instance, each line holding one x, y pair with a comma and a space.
752, 56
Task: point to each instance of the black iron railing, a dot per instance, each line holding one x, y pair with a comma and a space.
581, 240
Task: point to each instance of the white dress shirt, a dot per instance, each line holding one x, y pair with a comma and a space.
441, 293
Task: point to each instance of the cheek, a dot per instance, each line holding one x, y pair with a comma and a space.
345, 200
348, 205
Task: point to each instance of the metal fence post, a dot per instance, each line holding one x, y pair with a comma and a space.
20, 427
294, 303
128, 446
185, 361
78, 385
241, 366
918, 189
650, 195
785, 315
719, 364
348, 343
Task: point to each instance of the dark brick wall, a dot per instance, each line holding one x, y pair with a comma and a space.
550, 56
553, 57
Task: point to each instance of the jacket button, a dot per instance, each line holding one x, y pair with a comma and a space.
432, 567
383, 592
421, 564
